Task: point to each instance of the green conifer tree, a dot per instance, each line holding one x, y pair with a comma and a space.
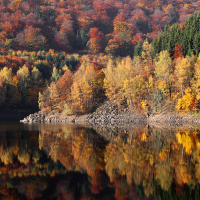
138, 49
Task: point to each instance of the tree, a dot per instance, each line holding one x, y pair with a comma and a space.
53, 96
30, 20
187, 102
136, 38
138, 49
120, 45
120, 23
55, 75
24, 80
49, 57
96, 41
120, 81
196, 81
36, 75
183, 73
164, 69
60, 19
85, 21
87, 88
30, 38
62, 41
8, 44
133, 89
84, 38
24, 75
63, 86
177, 51
6, 73
113, 46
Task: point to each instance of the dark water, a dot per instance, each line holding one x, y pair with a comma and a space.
59, 161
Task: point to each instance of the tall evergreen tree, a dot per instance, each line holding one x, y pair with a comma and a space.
138, 49
149, 25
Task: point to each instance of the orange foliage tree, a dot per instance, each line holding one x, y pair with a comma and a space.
87, 88
96, 41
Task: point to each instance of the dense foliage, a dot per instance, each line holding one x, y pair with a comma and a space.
153, 85
87, 26
187, 36
24, 74
163, 74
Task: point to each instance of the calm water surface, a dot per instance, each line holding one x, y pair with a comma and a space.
67, 162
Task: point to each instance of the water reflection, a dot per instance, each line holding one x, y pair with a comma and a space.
57, 161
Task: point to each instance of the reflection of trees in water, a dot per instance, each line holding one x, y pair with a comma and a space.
137, 163
7, 157
138, 157
158, 156
81, 150
24, 157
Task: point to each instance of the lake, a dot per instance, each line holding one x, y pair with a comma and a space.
66, 161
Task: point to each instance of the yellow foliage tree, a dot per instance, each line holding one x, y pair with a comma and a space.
87, 87
36, 75
24, 75
120, 81
6, 73
163, 71
188, 102
182, 73
54, 96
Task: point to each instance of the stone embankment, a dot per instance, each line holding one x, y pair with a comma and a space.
47, 118
173, 120
107, 114
34, 118
86, 119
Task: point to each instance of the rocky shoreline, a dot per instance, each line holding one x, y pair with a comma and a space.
173, 120
108, 114
166, 120
91, 119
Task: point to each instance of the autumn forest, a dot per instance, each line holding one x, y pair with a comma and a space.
69, 56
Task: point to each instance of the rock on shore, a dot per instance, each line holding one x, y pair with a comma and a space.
34, 118
107, 114
85, 119
173, 120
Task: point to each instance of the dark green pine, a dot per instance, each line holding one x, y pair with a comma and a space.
138, 49
154, 45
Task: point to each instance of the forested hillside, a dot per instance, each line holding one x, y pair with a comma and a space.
154, 80
81, 26
68, 56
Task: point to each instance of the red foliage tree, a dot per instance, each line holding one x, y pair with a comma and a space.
96, 41
136, 38
177, 51
30, 20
